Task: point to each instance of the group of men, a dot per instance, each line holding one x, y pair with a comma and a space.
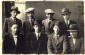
41, 37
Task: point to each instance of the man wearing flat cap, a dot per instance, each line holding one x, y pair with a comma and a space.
28, 24
12, 19
76, 43
36, 42
48, 22
67, 21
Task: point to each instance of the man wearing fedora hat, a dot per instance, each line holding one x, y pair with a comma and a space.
28, 24
37, 41
67, 21
76, 43
9, 21
47, 23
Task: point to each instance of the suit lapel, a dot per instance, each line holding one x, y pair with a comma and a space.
76, 43
56, 42
71, 43
12, 40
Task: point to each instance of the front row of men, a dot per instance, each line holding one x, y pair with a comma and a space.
39, 43
48, 36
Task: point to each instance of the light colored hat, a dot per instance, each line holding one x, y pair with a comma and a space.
30, 10
49, 11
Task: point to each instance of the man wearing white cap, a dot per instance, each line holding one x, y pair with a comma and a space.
28, 24
47, 23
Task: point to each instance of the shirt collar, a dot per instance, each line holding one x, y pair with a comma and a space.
67, 21
14, 36
38, 33
13, 18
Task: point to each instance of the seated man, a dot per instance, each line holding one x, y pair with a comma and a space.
57, 43
37, 40
76, 43
14, 42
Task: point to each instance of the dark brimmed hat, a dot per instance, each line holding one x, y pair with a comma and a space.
15, 8
73, 27
65, 11
36, 22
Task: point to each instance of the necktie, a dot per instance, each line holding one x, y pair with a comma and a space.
49, 25
67, 23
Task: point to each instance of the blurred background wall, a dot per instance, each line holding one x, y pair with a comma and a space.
76, 7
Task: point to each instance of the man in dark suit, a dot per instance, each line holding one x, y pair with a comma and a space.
48, 22
67, 21
76, 43
57, 43
37, 41
28, 24
9, 21
14, 43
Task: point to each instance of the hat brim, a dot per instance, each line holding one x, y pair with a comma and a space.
71, 30
63, 13
50, 13
15, 10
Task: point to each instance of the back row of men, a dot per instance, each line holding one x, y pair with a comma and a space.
41, 37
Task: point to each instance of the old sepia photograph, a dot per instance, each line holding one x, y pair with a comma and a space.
43, 27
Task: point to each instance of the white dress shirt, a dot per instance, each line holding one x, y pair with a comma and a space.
67, 22
37, 35
74, 40
15, 39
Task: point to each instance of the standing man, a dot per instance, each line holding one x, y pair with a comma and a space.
76, 43
48, 22
14, 43
37, 41
9, 21
28, 24
67, 21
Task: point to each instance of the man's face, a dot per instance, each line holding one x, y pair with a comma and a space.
13, 13
56, 29
66, 16
30, 14
49, 15
14, 28
73, 34
37, 28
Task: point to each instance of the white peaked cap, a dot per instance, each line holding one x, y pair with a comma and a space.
30, 9
49, 11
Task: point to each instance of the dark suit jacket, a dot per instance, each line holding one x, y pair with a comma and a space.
9, 46
8, 23
78, 48
46, 28
28, 27
37, 46
64, 27
57, 47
